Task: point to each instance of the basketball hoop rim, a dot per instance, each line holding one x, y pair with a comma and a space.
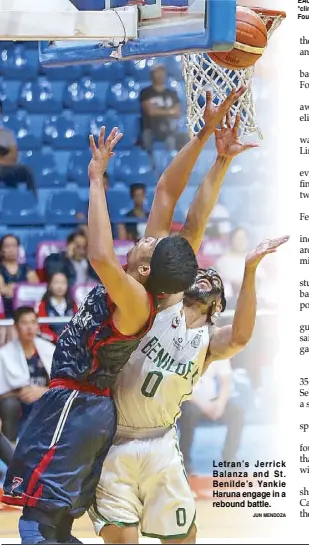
270, 12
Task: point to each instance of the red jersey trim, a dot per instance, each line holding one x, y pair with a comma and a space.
72, 384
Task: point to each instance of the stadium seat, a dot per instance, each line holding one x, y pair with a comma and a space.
135, 166
2, 311
66, 207
85, 96
122, 247
124, 97
109, 71
46, 247
20, 208
63, 73
8, 95
78, 167
80, 292
162, 158
41, 96
118, 202
63, 132
128, 124
173, 65
22, 126
19, 63
44, 167
28, 295
140, 70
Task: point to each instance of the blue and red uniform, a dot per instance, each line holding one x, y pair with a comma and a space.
59, 456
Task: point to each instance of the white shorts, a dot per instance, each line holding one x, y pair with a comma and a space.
143, 482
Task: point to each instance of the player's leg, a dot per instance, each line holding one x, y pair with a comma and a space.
54, 456
114, 534
169, 507
116, 510
6, 449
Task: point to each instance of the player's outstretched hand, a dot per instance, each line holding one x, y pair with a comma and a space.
102, 153
268, 246
214, 115
227, 141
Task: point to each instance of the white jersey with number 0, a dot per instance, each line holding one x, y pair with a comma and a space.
160, 374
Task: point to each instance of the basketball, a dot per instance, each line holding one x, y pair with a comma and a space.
251, 40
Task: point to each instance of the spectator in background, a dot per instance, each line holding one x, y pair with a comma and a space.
56, 302
231, 264
12, 272
73, 262
25, 366
212, 401
160, 112
138, 195
11, 172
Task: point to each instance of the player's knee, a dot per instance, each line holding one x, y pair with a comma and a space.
113, 534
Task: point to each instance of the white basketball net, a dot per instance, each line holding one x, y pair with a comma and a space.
201, 74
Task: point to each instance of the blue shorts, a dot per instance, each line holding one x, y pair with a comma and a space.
58, 459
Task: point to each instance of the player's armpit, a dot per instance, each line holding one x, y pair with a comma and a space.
222, 345
129, 296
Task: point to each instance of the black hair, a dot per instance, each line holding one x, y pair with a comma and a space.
136, 187
74, 235
47, 295
3, 239
23, 311
173, 266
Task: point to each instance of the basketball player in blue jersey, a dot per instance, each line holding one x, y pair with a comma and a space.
58, 460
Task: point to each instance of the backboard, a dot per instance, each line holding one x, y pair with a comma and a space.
139, 29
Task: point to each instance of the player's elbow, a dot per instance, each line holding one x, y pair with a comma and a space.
239, 341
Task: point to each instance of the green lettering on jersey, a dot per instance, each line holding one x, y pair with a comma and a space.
181, 369
171, 363
162, 358
190, 364
149, 346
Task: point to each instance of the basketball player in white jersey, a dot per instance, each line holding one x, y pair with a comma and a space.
143, 480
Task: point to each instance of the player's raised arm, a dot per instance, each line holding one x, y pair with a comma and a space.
129, 296
175, 178
228, 147
227, 341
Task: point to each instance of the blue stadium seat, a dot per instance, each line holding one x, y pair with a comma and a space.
85, 96
173, 67
134, 166
44, 167
109, 71
20, 208
63, 73
124, 97
78, 167
162, 158
118, 201
140, 70
64, 132
26, 135
8, 95
19, 63
41, 96
65, 207
129, 125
